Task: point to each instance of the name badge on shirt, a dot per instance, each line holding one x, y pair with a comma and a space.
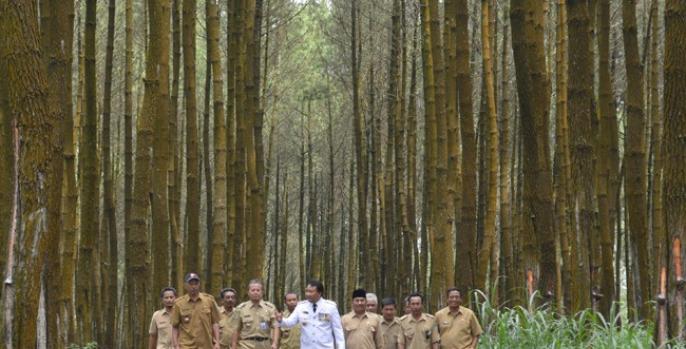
324, 317
264, 326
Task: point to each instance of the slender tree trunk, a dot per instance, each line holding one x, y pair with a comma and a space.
219, 205
175, 162
488, 243
128, 151
192, 246
109, 230
359, 140
508, 281
38, 171
254, 213
88, 192
412, 164
301, 207
161, 160
636, 157
660, 239
233, 36
57, 24
561, 168
466, 238
206, 166
582, 135
154, 100
674, 149
529, 55
604, 164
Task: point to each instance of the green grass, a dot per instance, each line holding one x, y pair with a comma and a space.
520, 327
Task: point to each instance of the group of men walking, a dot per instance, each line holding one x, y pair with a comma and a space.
195, 321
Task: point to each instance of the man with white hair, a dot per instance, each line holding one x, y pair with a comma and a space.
372, 303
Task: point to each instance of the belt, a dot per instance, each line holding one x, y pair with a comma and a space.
258, 339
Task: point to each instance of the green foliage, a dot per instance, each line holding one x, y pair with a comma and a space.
91, 345
542, 327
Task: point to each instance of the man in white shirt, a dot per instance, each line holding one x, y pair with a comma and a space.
319, 319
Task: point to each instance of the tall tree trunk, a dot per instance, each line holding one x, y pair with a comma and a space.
301, 206
109, 230
443, 213
175, 163
128, 150
154, 100
128, 119
219, 205
39, 168
192, 149
660, 239
57, 22
430, 155
508, 281
205, 266
412, 164
249, 62
636, 158
605, 197
674, 147
466, 238
582, 136
359, 139
233, 36
488, 243
160, 160
528, 45
394, 161
86, 301
561, 169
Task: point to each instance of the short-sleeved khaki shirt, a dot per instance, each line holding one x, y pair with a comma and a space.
391, 331
160, 325
228, 324
194, 319
457, 329
290, 337
255, 325
418, 333
362, 331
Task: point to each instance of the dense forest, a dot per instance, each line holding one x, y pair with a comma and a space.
529, 152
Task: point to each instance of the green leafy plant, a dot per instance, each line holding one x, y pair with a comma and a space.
542, 327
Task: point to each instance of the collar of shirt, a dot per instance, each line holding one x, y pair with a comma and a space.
390, 323
421, 318
224, 311
361, 316
165, 311
258, 304
455, 313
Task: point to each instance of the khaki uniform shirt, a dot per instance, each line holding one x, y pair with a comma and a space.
290, 337
227, 327
160, 325
256, 324
457, 329
391, 332
362, 331
194, 319
418, 334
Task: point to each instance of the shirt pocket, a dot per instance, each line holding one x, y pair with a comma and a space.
186, 316
409, 334
444, 326
350, 328
247, 321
